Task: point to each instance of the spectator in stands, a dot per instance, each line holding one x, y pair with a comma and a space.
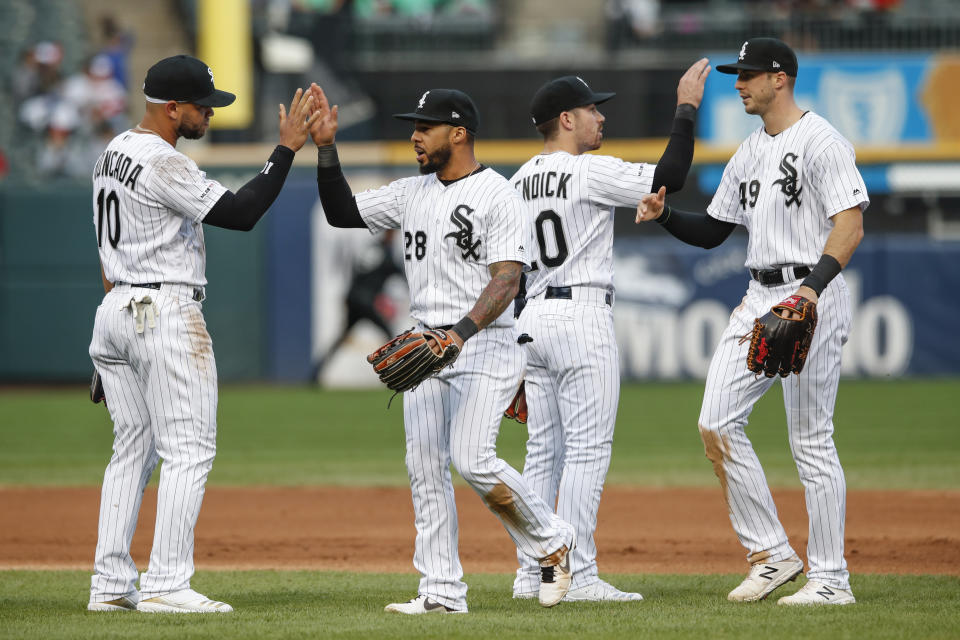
97, 96
117, 44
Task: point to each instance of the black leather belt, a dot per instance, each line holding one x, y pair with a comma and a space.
197, 291
771, 277
566, 293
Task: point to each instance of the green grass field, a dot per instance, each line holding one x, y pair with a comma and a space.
896, 434
271, 604
903, 434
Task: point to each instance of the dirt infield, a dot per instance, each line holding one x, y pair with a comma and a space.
640, 530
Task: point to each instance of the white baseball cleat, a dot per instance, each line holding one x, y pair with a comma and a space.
123, 603
600, 591
524, 595
555, 576
419, 605
183, 601
764, 577
818, 593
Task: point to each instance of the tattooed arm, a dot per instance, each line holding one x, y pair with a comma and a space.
495, 298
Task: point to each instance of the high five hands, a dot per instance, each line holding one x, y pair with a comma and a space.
295, 128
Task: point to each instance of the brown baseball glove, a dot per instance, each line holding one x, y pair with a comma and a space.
412, 357
779, 344
518, 406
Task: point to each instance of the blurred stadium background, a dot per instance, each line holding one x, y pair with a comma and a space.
885, 72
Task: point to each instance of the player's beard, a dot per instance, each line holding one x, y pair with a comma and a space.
437, 160
191, 131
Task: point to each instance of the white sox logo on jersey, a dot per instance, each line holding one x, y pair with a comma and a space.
788, 183
463, 236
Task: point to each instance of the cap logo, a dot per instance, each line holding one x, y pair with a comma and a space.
210, 71
454, 114
583, 81
743, 51
423, 99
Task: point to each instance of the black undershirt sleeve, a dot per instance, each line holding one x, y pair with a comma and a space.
674, 164
339, 205
242, 210
698, 229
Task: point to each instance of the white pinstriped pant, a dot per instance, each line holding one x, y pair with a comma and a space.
573, 391
161, 390
731, 392
455, 417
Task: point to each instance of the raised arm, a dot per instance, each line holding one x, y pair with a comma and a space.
242, 210
339, 205
674, 165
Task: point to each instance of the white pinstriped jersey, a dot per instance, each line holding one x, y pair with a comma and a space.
572, 200
451, 234
785, 188
148, 204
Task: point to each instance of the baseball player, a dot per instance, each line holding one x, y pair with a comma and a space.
465, 245
572, 380
150, 343
795, 187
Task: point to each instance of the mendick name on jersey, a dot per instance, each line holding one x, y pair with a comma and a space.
114, 164
547, 184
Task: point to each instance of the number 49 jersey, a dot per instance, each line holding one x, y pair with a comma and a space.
785, 188
148, 204
570, 201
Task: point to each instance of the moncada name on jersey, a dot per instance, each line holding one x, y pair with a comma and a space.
113, 164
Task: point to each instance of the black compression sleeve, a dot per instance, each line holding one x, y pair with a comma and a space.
674, 164
242, 210
698, 229
337, 199
825, 270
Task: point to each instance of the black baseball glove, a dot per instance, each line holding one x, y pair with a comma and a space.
780, 344
96, 389
407, 360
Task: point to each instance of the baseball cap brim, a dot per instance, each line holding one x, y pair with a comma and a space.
737, 67
216, 99
425, 118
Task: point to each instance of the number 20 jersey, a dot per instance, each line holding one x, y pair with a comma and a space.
570, 201
148, 204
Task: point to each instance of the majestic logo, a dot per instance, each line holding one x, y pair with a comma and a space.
743, 51
463, 236
423, 100
788, 183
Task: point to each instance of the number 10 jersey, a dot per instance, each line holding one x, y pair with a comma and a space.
148, 204
571, 201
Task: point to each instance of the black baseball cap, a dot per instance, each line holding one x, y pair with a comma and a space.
448, 106
184, 79
763, 54
563, 94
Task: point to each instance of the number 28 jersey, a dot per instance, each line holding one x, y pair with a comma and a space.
149, 201
570, 201
452, 233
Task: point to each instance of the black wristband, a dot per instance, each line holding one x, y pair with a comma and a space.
826, 270
663, 218
466, 328
685, 111
327, 156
